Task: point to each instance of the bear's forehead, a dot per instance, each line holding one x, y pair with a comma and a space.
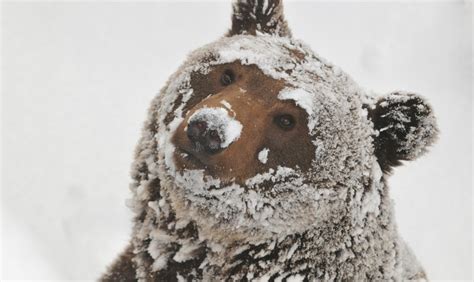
280, 58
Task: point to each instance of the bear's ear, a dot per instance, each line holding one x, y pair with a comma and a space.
405, 127
258, 16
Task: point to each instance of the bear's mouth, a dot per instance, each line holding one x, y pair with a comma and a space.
188, 160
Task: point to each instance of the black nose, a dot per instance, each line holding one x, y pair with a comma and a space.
203, 138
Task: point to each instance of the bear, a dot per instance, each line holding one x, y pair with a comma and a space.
261, 161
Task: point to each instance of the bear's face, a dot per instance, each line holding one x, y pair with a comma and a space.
257, 135
240, 127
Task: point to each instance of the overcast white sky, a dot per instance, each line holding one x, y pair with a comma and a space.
78, 78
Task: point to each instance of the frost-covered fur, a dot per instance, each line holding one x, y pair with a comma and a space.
334, 221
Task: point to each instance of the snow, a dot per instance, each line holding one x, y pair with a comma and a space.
301, 97
264, 278
292, 250
185, 253
226, 104
160, 262
274, 175
218, 119
371, 201
295, 278
180, 278
263, 155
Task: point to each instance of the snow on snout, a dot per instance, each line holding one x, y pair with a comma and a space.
218, 119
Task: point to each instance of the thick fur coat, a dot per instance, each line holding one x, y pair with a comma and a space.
262, 161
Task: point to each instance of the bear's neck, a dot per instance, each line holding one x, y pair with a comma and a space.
339, 250
345, 248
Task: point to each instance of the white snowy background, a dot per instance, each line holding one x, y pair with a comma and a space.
78, 78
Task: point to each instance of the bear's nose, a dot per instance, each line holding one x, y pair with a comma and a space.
203, 138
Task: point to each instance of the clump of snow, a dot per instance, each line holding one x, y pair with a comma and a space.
228, 128
371, 200
272, 175
226, 104
292, 250
263, 155
251, 209
160, 262
296, 278
301, 97
180, 278
186, 252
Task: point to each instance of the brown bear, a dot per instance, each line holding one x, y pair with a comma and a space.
262, 161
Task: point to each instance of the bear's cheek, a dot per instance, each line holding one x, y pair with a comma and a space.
297, 151
293, 148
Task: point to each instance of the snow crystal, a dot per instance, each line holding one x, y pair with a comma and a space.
226, 104
154, 206
227, 128
271, 175
263, 155
263, 278
240, 249
181, 223
166, 143
292, 250
302, 98
371, 200
160, 263
180, 278
153, 249
295, 278
186, 252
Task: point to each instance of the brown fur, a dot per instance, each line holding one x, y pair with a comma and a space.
251, 17
254, 100
387, 144
123, 269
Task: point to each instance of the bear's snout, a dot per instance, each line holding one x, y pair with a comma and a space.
212, 129
202, 138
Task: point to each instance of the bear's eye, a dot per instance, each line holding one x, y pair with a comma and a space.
285, 121
227, 78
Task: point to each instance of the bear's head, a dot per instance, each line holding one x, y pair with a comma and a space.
257, 135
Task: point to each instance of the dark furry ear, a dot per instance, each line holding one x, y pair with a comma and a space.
258, 16
405, 127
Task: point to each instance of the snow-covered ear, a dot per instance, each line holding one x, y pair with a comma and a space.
405, 127
258, 16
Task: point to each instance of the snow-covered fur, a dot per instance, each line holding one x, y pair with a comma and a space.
331, 221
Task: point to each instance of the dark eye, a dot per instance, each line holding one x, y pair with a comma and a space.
227, 78
285, 122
